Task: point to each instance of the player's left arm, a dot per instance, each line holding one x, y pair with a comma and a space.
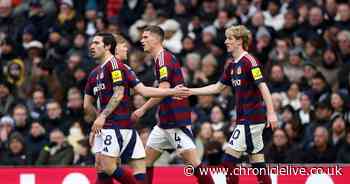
271, 115
118, 94
256, 74
117, 77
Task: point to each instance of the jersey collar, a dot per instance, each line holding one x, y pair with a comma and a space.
159, 55
240, 57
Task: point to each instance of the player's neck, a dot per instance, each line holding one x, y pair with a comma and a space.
237, 53
156, 51
105, 58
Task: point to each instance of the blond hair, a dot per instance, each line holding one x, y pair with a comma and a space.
239, 32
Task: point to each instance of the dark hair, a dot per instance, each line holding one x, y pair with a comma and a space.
108, 39
155, 30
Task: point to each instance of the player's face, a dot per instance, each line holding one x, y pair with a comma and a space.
122, 51
97, 47
230, 43
148, 40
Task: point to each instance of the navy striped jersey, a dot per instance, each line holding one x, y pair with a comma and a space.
244, 74
172, 113
100, 85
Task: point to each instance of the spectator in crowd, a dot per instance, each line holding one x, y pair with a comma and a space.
213, 153
309, 71
142, 70
343, 40
36, 140
280, 53
306, 113
293, 67
343, 16
6, 128
320, 151
313, 53
295, 131
292, 96
217, 118
344, 150
289, 24
172, 35
9, 22
75, 111
278, 81
16, 153
277, 106
75, 135
7, 100
338, 132
22, 120
320, 89
203, 137
55, 118
226, 101
315, 24
149, 17
192, 63
278, 150
330, 66
323, 116
339, 105
37, 104
84, 156
273, 15
57, 152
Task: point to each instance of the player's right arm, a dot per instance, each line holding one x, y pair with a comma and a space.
224, 82
161, 92
208, 90
89, 108
90, 111
149, 104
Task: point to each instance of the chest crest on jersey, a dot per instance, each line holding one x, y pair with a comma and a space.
235, 72
239, 70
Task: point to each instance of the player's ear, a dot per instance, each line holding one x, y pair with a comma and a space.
108, 47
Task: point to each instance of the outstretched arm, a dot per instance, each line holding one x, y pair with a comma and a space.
208, 90
161, 92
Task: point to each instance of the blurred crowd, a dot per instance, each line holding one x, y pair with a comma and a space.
303, 45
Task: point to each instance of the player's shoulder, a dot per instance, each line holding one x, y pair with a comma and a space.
115, 64
94, 71
167, 58
251, 60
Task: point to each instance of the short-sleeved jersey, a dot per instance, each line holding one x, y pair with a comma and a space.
100, 85
172, 113
244, 74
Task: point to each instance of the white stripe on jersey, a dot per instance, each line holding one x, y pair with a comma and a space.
160, 58
114, 64
252, 60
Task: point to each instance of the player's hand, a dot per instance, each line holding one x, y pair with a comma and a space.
181, 92
137, 114
98, 124
271, 120
91, 139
